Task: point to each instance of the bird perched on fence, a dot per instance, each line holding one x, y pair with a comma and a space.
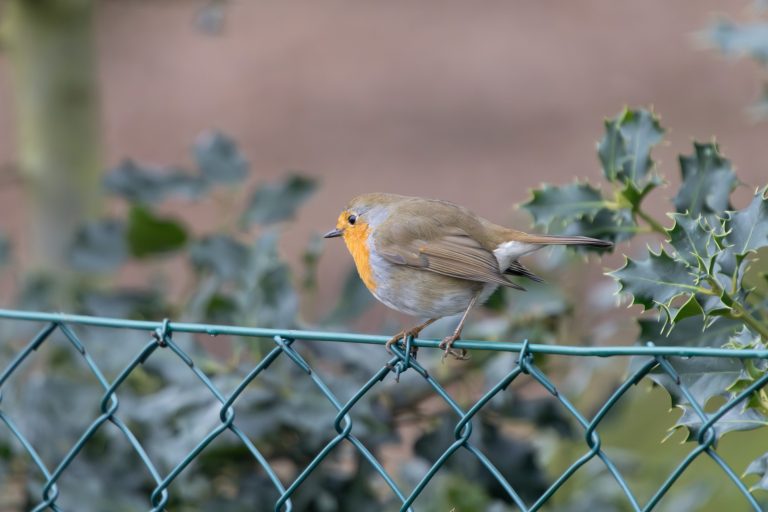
430, 258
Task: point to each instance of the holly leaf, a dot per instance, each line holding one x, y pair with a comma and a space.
275, 202
143, 184
149, 235
745, 39
739, 417
625, 149
607, 224
267, 286
693, 241
691, 332
655, 281
704, 377
634, 195
745, 339
707, 181
747, 229
759, 467
219, 158
99, 246
555, 207
754, 368
579, 209
221, 254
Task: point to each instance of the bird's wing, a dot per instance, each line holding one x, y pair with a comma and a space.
453, 253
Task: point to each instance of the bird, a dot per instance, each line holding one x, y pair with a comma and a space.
430, 258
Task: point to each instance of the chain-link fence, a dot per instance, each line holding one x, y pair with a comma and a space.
160, 337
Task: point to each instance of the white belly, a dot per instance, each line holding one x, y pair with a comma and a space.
425, 294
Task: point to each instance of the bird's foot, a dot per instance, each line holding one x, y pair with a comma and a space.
446, 345
403, 335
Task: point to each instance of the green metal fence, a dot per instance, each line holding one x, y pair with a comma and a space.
160, 337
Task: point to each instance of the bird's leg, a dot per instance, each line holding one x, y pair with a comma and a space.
413, 331
448, 340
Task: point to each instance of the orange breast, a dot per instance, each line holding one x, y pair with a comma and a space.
357, 243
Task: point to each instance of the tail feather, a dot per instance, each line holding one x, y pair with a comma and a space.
566, 240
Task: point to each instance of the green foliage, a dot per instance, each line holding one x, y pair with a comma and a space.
99, 246
707, 182
219, 162
698, 281
625, 149
149, 235
625, 156
219, 159
703, 272
354, 300
743, 39
759, 467
150, 185
275, 202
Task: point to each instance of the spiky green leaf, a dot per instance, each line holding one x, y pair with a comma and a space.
691, 332
707, 181
739, 417
692, 240
579, 209
633, 194
656, 281
759, 467
607, 224
625, 149
747, 229
554, 207
703, 377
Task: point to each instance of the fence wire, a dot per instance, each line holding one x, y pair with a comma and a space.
160, 337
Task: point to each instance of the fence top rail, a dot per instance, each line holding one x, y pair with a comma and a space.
499, 346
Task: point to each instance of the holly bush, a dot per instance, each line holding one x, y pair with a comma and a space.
698, 282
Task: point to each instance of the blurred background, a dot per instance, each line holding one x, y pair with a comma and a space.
181, 158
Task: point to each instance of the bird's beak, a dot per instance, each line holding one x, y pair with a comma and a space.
333, 233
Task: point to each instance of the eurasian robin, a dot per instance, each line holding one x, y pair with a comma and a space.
430, 258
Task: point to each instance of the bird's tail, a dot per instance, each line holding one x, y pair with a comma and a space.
566, 240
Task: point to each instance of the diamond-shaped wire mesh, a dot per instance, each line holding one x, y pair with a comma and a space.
160, 337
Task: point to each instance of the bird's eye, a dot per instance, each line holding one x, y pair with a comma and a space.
351, 219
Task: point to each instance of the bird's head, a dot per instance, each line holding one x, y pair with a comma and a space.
361, 214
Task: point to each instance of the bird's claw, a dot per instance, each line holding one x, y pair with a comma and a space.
446, 345
402, 335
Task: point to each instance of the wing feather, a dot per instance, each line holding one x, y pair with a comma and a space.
455, 255
517, 269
